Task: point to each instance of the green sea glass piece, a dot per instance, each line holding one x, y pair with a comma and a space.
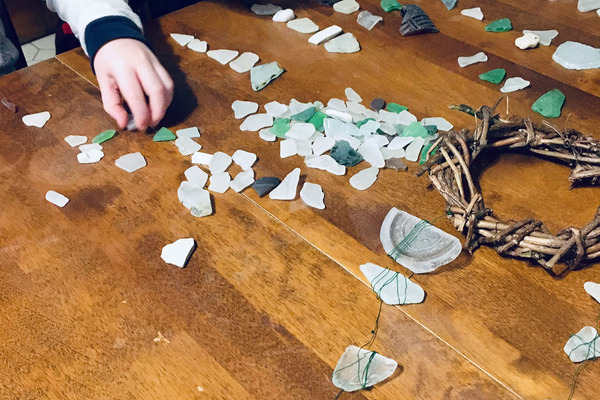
501, 25
343, 154
104, 136
304, 116
550, 104
395, 108
390, 5
431, 129
164, 135
495, 76
317, 120
364, 121
262, 75
280, 127
424, 151
415, 129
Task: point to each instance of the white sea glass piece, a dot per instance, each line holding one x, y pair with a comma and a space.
324, 35
399, 142
380, 140
341, 115
337, 104
396, 153
527, 41
187, 146
287, 148
196, 176
181, 38
90, 146
219, 182
477, 58
312, 194
303, 25
38, 120
391, 287
354, 107
429, 249
337, 129
359, 368
75, 140
219, 162
365, 178
223, 56
192, 132
414, 149
296, 106
368, 20
584, 345
588, 5
284, 15
244, 159
56, 198
242, 109
265, 9
389, 117
371, 153
405, 117
131, 162
301, 131
441, 123
242, 180
473, 13
579, 56
545, 36
90, 157
178, 252
346, 6
195, 198
325, 163
322, 144
275, 109
369, 128
267, 135
198, 45
287, 188
303, 147
352, 96
346, 43
514, 84
256, 122
201, 158
593, 289
244, 62
387, 128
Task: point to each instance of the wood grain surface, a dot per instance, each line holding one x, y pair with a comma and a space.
273, 293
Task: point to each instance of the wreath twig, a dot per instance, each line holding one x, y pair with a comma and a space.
450, 172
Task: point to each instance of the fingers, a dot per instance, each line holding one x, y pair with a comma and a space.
133, 93
111, 98
159, 93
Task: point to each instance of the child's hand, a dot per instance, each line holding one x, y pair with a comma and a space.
127, 70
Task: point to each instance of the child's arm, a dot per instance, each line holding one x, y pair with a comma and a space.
111, 34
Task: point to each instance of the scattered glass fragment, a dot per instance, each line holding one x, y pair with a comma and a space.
351, 95
395, 108
301, 131
390, 5
284, 15
345, 43
396, 164
415, 129
406, 117
196, 176
325, 163
325, 35
256, 122
287, 148
287, 188
365, 178
312, 195
201, 158
262, 75
584, 345
265, 9
450, 4
416, 244
276, 109
500, 25
391, 287
10, 106
441, 123
198, 45
588, 5
477, 58
266, 135
321, 145
303, 25
178, 252
545, 36
223, 56
192, 132
242, 109
337, 104
342, 116
181, 38
75, 140
368, 20
527, 41
90, 157
131, 126
399, 142
344, 154
280, 127
397, 153
131, 162
219, 182
549, 104
414, 149
242, 180
164, 135
219, 162
90, 147
263, 186
360, 123
244, 159
303, 147
389, 117
370, 152
359, 368
579, 56
424, 157
195, 198
187, 146
473, 13
304, 116
377, 104
317, 120
38, 120
346, 6
369, 128
514, 84
244, 62
104, 136
415, 21
593, 289
494, 76
56, 198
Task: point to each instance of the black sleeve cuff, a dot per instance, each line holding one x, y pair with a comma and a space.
103, 30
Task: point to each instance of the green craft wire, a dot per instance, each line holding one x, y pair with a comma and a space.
408, 240
579, 368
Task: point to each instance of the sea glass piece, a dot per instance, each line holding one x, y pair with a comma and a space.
181, 38
242, 180
90, 157
325, 163
391, 287
263, 186
346, 6
415, 129
195, 198
256, 122
441, 123
303, 147
369, 128
365, 178
494, 76
549, 104
414, 149
397, 153
178, 252
301, 131
303, 25
284, 15
584, 345
287, 148
265, 9
396, 108
75, 140
187, 146
305, 115
312, 194
351, 95
337, 104
201, 158
396, 164
266, 135
545, 36
192, 132
367, 20
275, 109
500, 25
223, 56
415, 21
219, 162
344, 154
244, 62
579, 56
324, 35
9, 105
262, 75
514, 84
346, 43
371, 153
588, 5
244, 159
399, 142
341, 115
198, 45
593, 289
287, 188
317, 120
477, 58
219, 182
56, 198
321, 145
164, 135
359, 368
390, 5
473, 13
196, 176
527, 41
450, 4
377, 104
131, 162
406, 117
242, 109
280, 127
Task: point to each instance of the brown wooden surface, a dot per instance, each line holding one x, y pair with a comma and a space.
270, 297
31, 18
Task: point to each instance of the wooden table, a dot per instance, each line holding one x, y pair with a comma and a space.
273, 293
